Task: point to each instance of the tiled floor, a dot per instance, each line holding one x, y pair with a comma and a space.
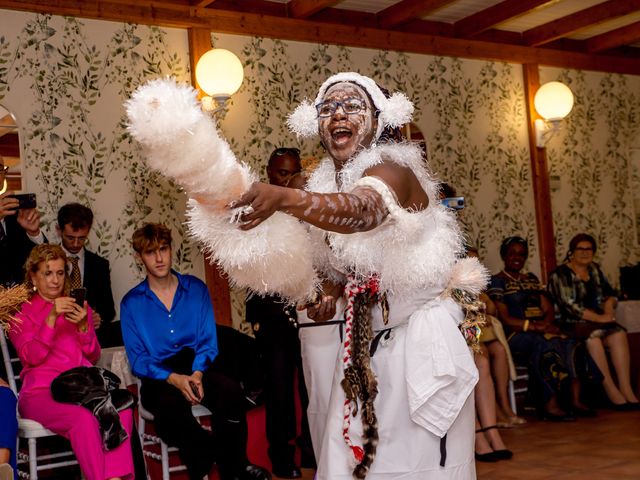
602, 448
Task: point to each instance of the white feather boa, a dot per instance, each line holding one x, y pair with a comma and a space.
183, 143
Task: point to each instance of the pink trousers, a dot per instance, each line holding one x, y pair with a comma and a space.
80, 427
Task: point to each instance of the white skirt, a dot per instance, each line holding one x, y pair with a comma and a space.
406, 450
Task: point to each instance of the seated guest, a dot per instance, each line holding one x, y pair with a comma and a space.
53, 335
489, 446
587, 303
527, 316
170, 336
88, 270
8, 431
494, 351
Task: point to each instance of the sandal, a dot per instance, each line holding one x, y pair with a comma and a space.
516, 420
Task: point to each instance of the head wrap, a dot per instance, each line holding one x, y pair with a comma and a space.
394, 111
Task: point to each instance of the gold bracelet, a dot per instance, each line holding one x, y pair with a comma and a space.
526, 326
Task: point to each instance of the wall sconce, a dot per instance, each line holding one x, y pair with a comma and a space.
219, 74
553, 102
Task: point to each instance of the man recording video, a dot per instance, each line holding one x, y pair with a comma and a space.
19, 232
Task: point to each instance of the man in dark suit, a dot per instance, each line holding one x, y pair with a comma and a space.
275, 328
19, 233
88, 270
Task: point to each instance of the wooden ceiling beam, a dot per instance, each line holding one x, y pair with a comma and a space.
406, 10
224, 21
614, 38
202, 3
577, 21
498, 13
306, 8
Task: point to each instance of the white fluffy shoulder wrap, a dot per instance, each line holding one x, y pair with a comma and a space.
183, 143
411, 250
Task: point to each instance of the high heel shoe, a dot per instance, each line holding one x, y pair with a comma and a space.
494, 456
503, 454
625, 407
486, 457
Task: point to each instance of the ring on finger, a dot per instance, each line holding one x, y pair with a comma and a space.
248, 210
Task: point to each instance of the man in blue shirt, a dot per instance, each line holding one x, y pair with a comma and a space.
170, 336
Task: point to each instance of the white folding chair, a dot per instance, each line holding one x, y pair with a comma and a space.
32, 430
147, 439
518, 386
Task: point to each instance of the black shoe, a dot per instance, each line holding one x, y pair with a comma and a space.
503, 454
487, 457
625, 407
290, 470
254, 472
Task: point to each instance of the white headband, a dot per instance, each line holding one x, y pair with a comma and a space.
394, 111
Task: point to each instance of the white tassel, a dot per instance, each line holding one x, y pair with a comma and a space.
398, 110
303, 120
468, 275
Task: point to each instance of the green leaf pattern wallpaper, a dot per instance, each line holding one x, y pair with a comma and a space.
66, 80
592, 158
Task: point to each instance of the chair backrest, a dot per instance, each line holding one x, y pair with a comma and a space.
10, 363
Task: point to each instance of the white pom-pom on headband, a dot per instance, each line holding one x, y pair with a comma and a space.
394, 111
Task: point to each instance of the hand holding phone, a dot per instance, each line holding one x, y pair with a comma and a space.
79, 294
195, 390
25, 200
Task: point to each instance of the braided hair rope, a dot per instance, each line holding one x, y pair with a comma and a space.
359, 381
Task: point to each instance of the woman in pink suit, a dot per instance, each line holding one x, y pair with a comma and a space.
54, 334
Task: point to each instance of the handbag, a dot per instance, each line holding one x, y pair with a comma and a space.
98, 390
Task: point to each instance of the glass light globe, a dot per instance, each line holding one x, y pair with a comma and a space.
553, 101
219, 72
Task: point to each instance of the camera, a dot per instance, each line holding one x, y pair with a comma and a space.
454, 203
25, 200
79, 294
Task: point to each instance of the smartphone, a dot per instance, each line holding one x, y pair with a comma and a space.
25, 200
79, 295
194, 389
454, 203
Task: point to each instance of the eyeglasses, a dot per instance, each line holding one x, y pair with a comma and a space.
584, 249
278, 152
350, 106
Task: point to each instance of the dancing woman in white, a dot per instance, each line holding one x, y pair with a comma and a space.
409, 372
400, 403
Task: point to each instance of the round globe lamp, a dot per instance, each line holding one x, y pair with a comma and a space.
219, 73
553, 101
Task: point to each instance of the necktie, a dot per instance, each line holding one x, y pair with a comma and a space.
76, 280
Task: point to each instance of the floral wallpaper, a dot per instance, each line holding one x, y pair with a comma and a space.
593, 157
65, 80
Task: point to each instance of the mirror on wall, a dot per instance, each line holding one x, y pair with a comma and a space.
10, 149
